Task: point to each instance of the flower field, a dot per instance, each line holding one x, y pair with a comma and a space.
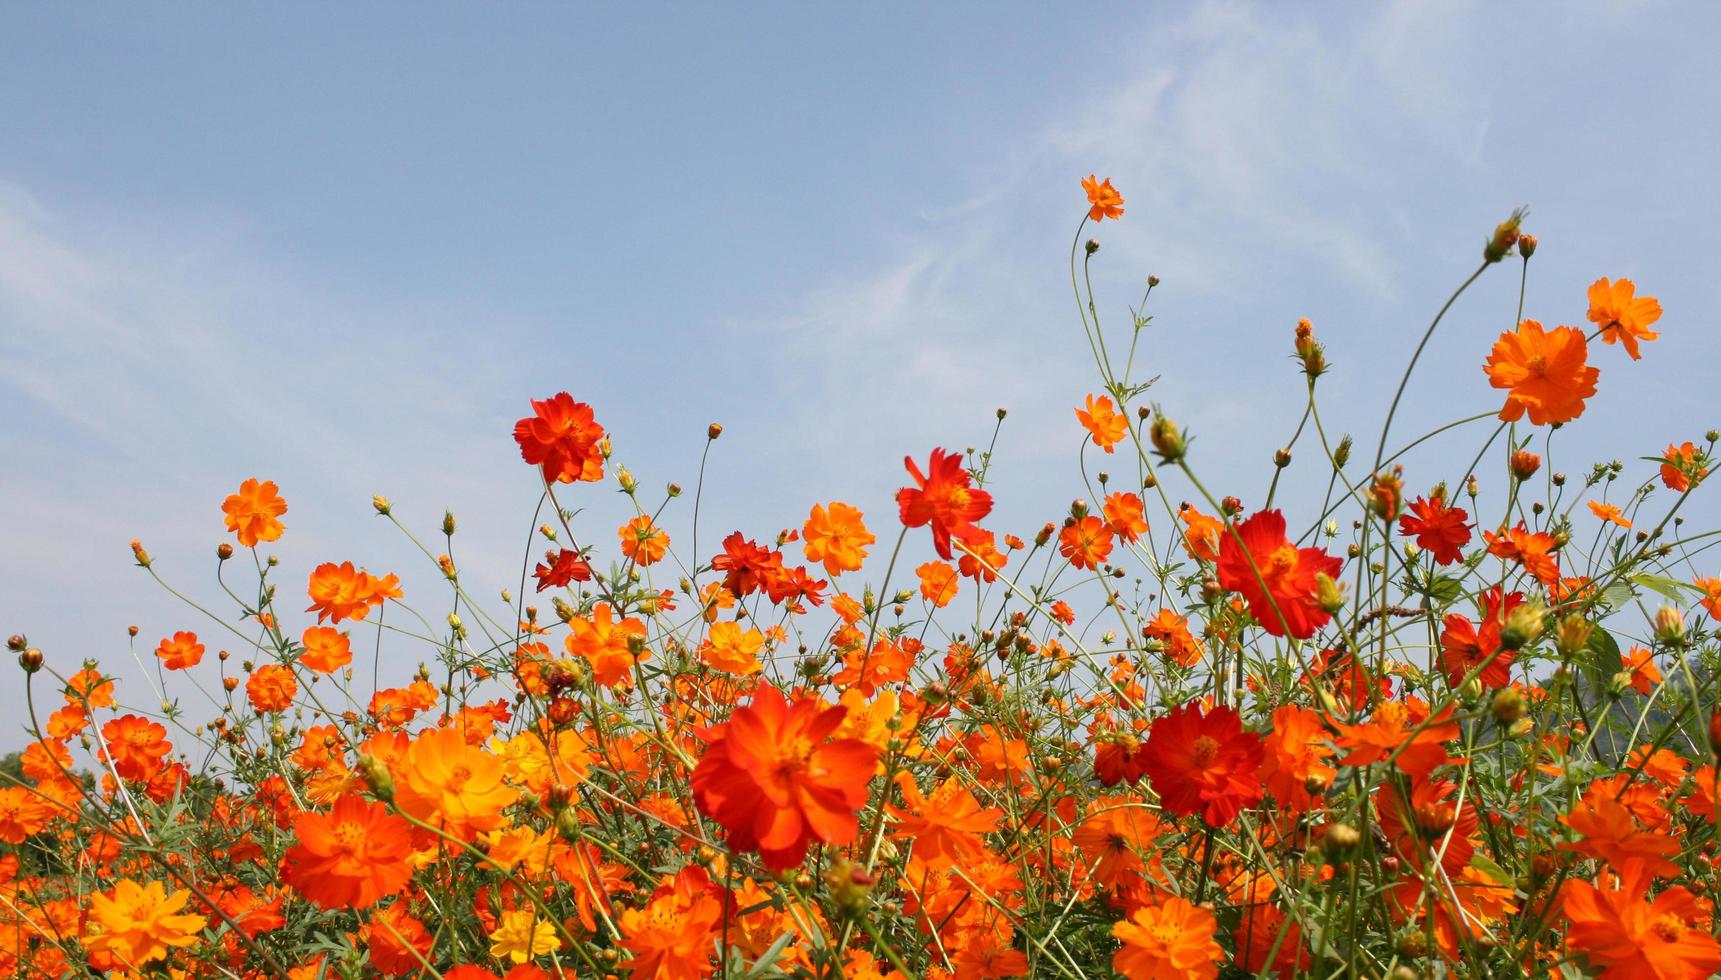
1459, 721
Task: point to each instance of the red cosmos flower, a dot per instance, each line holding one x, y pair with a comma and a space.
944, 498
560, 568
1288, 603
776, 781
1440, 530
1429, 822
1464, 647
1204, 764
562, 437
746, 565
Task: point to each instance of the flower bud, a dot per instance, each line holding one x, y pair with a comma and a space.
850, 885
381, 504
1526, 245
137, 552
1329, 593
1167, 440
1572, 635
624, 477
1312, 354
1670, 627
448, 523
17, 643
713, 430
30, 659
1340, 838
1385, 495
1342, 454
1282, 458
377, 777
1504, 237
1522, 627
1092, 246
1525, 464
1508, 705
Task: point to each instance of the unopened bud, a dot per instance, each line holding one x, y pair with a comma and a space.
1092, 246
1340, 838
1522, 627
1670, 627
137, 552
1525, 464
377, 777
448, 523
1167, 440
1508, 705
1329, 593
1342, 454
17, 643
381, 504
1282, 458
1526, 245
624, 477
1504, 237
713, 430
30, 659
1572, 635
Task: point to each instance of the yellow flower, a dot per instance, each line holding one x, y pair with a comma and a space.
523, 935
140, 922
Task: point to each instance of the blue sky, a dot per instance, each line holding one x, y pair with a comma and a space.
341, 250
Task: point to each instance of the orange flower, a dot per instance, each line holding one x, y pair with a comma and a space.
1296, 757
1202, 533
945, 499
343, 592
1622, 314
1640, 664
642, 541
396, 943
1103, 421
179, 651
1103, 199
253, 513
1711, 600
89, 685
350, 857
730, 649
938, 583
1547, 373
1683, 467
671, 937
1172, 631
1628, 939
564, 438
775, 781
1287, 603
607, 644
1173, 940
1114, 839
22, 813
1259, 934
1441, 530
136, 746
945, 827
1609, 833
271, 688
1393, 733
1086, 543
1204, 764
1125, 514
1533, 550
326, 649
446, 782
836, 537
140, 922
1609, 513
981, 560
1464, 648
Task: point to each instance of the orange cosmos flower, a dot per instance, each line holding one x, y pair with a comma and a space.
326, 649
1295, 765
179, 651
836, 537
642, 541
1683, 467
1533, 550
22, 813
607, 644
1622, 314
1440, 530
1202, 533
350, 857
1609, 833
90, 686
448, 783
253, 513
776, 782
1103, 199
1609, 513
732, 650
943, 498
671, 937
1125, 515
1172, 631
1257, 936
1429, 822
271, 688
1547, 372
1103, 421
136, 746
343, 592
1287, 604
1173, 940
1711, 601
1204, 764
141, 922
1628, 939
564, 438
945, 827
1086, 543
938, 583
981, 560
396, 942
1390, 735
1463, 647
1640, 664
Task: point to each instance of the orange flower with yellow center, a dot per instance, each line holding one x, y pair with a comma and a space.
254, 512
445, 782
1546, 372
1170, 940
837, 537
140, 923
350, 857
1623, 315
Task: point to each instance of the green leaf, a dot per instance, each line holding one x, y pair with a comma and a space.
1617, 595
1669, 587
763, 965
1602, 652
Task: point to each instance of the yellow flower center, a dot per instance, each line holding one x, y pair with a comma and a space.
1537, 365
1669, 928
1282, 560
1206, 747
458, 779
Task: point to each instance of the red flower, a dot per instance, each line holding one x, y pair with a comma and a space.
562, 567
943, 498
1287, 604
1204, 764
1464, 647
776, 781
1443, 531
746, 565
563, 437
